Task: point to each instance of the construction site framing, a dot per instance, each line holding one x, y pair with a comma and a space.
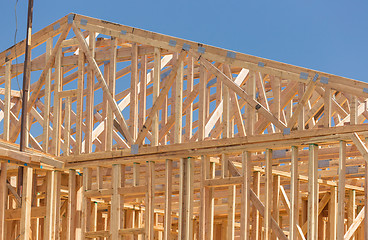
137, 135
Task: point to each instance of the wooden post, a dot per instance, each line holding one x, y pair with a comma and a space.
133, 116
46, 115
80, 87
276, 201
332, 213
250, 111
268, 195
276, 91
150, 201
341, 191
142, 92
327, 107
207, 201
183, 188
72, 205
25, 221
294, 192
7, 97
57, 204
90, 97
107, 133
313, 192
210, 204
86, 201
301, 118
202, 210
185, 199
112, 82
178, 127
245, 203
202, 103
353, 110
226, 107
189, 111
155, 93
49, 224
230, 201
351, 207
57, 104
168, 199
68, 109
116, 208
255, 215
3, 197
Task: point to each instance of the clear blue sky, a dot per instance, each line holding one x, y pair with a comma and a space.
331, 36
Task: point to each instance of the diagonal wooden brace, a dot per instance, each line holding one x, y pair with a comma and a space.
308, 93
261, 209
360, 145
33, 98
160, 99
354, 226
238, 90
83, 45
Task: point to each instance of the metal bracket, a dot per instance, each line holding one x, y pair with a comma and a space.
323, 163
134, 149
83, 21
279, 153
304, 75
71, 18
186, 47
286, 131
324, 80
56, 26
231, 54
201, 49
352, 169
172, 43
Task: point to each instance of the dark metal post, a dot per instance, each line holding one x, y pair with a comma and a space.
26, 84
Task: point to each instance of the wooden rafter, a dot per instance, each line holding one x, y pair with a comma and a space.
177, 139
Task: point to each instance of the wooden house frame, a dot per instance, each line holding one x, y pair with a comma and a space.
137, 135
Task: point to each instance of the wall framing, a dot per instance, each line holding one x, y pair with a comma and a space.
139, 135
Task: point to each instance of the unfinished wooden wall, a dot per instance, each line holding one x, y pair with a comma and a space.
138, 135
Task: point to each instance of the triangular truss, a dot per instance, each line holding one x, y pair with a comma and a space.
109, 100
218, 94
